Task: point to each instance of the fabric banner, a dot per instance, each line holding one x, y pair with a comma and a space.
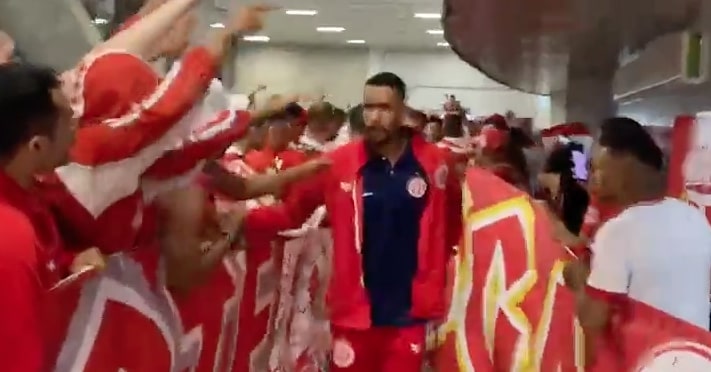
124, 318
689, 174
264, 303
511, 312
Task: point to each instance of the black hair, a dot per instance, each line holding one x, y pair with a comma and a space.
434, 119
356, 122
388, 79
560, 161
293, 110
418, 116
575, 198
513, 151
27, 107
340, 114
626, 136
452, 125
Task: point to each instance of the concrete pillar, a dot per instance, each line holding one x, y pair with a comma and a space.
593, 60
557, 107
229, 68
589, 99
54, 33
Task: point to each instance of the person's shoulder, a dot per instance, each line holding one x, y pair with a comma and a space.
687, 215
436, 148
347, 149
18, 237
619, 225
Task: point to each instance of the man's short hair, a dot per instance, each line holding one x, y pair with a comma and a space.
417, 116
27, 107
294, 110
356, 122
626, 136
340, 114
452, 125
390, 80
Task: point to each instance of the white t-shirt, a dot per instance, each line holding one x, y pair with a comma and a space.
658, 254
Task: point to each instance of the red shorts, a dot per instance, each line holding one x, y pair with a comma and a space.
379, 349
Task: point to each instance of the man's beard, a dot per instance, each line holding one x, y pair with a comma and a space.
377, 135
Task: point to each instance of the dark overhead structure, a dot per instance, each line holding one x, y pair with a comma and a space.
537, 46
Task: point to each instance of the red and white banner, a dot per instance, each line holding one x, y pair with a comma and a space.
262, 310
511, 312
125, 319
689, 174
509, 309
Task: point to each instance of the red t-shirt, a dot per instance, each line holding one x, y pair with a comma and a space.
28, 267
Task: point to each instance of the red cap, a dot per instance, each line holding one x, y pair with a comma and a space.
490, 138
498, 121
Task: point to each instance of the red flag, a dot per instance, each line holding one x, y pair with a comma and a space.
651, 340
510, 310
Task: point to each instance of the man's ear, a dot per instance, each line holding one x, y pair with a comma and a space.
37, 143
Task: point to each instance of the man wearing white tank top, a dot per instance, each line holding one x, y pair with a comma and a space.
656, 251
659, 253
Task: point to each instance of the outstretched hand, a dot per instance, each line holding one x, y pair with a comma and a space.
314, 166
298, 173
250, 18
91, 257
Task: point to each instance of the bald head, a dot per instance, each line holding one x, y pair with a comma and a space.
321, 112
324, 120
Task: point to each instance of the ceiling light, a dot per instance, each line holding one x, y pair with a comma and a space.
428, 15
435, 32
100, 21
330, 29
217, 25
443, 44
356, 41
257, 38
301, 12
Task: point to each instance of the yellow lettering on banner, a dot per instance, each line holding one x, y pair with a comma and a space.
579, 346
501, 295
509, 299
461, 291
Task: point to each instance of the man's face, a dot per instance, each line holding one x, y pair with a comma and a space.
382, 113
279, 135
256, 137
53, 151
607, 172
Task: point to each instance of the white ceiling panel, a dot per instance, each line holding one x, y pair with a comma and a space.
381, 23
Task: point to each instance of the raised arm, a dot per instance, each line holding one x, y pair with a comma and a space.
157, 18
116, 138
